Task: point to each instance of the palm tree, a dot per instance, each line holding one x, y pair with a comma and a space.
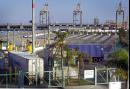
119, 59
80, 63
69, 57
124, 38
60, 44
60, 41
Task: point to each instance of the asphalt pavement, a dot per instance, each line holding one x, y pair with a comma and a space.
87, 87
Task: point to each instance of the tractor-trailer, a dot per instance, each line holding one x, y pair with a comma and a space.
27, 62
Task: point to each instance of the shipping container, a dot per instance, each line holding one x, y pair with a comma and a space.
27, 62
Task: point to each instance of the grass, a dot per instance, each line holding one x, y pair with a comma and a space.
76, 82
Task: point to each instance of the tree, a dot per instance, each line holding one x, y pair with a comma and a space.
69, 57
119, 59
80, 63
60, 44
124, 38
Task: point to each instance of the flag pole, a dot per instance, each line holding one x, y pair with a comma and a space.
33, 26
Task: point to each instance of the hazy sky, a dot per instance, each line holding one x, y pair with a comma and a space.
19, 11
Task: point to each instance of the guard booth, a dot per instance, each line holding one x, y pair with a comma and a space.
3, 45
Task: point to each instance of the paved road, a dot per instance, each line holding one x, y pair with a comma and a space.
69, 87
87, 87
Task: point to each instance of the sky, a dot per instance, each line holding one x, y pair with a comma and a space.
19, 11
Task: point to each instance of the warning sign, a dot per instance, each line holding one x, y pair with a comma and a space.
88, 74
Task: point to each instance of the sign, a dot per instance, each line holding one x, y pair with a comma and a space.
88, 74
114, 85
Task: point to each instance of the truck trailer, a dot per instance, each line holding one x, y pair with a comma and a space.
29, 63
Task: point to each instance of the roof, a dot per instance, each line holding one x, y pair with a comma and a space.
25, 55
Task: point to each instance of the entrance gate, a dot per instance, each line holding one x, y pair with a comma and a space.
105, 75
50, 81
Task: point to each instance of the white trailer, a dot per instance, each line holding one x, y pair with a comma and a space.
28, 63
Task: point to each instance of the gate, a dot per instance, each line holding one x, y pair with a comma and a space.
52, 81
106, 75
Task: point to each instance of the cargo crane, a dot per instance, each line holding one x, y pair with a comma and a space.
120, 12
77, 15
44, 16
44, 20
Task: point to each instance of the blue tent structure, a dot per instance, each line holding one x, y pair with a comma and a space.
94, 50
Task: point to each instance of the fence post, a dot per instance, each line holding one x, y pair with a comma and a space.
6, 80
21, 79
49, 79
107, 75
15, 73
10, 71
95, 76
